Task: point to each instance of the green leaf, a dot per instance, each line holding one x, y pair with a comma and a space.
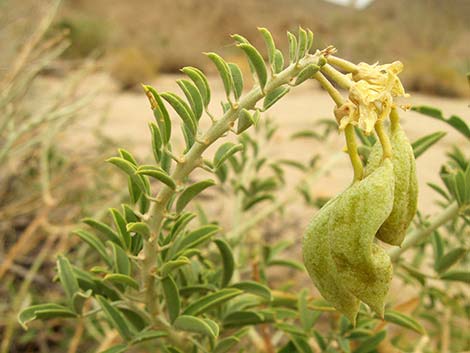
301, 344
439, 190
450, 259
183, 110
179, 225
237, 79
240, 39
148, 336
43, 312
291, 329
172, 297
197, 325
193, 96
242, 318
200, 80
156, 141
371, 343
139, 228
67, 277
307, 316
121, 279
251, 201
103, 229
161, 115
122, 263
293, 49
224, 71
172, 265
119, 348
116, 319
95, 243
203, 304
121, 227
246, 119
424, 143
302, 43
269, 41
274, 96
226, 344
459, 276
278, 64
359, 333
158, 174
79, 299
197, 288
287, 263
403, 320
224, 152
136, 318
124, 154
255, 288
190, 192
128, 168
438, 247
228, 261
456, 122
309, 40
306, 73
257, 62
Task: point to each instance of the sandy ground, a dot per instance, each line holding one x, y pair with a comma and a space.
128, 114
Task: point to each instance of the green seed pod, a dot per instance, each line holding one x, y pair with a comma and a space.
393, 231
320, 265
363, 267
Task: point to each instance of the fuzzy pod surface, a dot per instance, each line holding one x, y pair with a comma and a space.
393, 230
363, 267
321, 267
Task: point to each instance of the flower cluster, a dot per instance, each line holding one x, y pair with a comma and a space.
371, 95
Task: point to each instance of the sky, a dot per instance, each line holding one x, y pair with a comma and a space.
359, 3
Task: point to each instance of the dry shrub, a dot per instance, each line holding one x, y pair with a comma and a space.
87, 35
424, 73
130, 66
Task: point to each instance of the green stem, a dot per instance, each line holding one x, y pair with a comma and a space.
418, 235
394, 119
342, 64
340, 78
348, 131
353, 154
384, 139
327, 86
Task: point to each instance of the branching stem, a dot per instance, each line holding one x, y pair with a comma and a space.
191, 161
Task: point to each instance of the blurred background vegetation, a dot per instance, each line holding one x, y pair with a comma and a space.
430, 36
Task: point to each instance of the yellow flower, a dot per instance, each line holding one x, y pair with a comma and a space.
371, 95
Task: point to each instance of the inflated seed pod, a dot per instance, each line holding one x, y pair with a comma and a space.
405, 203
363, 268
320, 265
